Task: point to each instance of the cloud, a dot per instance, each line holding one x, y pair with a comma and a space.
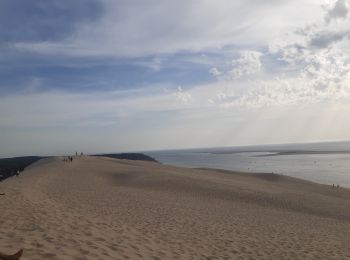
323, 77
310, 64
42, 21
248, 63
75, 69
325, 39
198, 44
182, 96
215, 72
339, 10
134, 29
156, 64
305, 40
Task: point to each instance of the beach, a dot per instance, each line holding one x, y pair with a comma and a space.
103, 208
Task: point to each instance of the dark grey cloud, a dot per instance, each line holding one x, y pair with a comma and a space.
133, 28
339, 10
42, 20
324, 34
325, 39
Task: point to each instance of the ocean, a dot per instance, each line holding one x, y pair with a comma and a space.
326, 163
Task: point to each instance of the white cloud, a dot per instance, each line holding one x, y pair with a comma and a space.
182, 96
318, 59
247, 64
156, 64
324, 76
215, 72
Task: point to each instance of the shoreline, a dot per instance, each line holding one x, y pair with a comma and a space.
319, 168
272, 176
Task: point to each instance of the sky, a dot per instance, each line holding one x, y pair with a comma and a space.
124, 75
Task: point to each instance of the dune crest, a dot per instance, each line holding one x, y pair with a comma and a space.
104, 208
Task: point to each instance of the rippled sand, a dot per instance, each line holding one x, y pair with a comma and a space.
101, 208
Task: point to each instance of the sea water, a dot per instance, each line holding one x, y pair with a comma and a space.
327, 163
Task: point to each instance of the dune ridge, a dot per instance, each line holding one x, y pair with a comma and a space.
104, 208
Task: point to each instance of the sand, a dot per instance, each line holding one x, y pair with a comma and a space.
101, 208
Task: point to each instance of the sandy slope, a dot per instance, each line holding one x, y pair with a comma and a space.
100, 208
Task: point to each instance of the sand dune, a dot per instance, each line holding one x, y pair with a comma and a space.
102, 208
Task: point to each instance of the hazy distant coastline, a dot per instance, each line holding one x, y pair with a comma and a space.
278, 153
312, 148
